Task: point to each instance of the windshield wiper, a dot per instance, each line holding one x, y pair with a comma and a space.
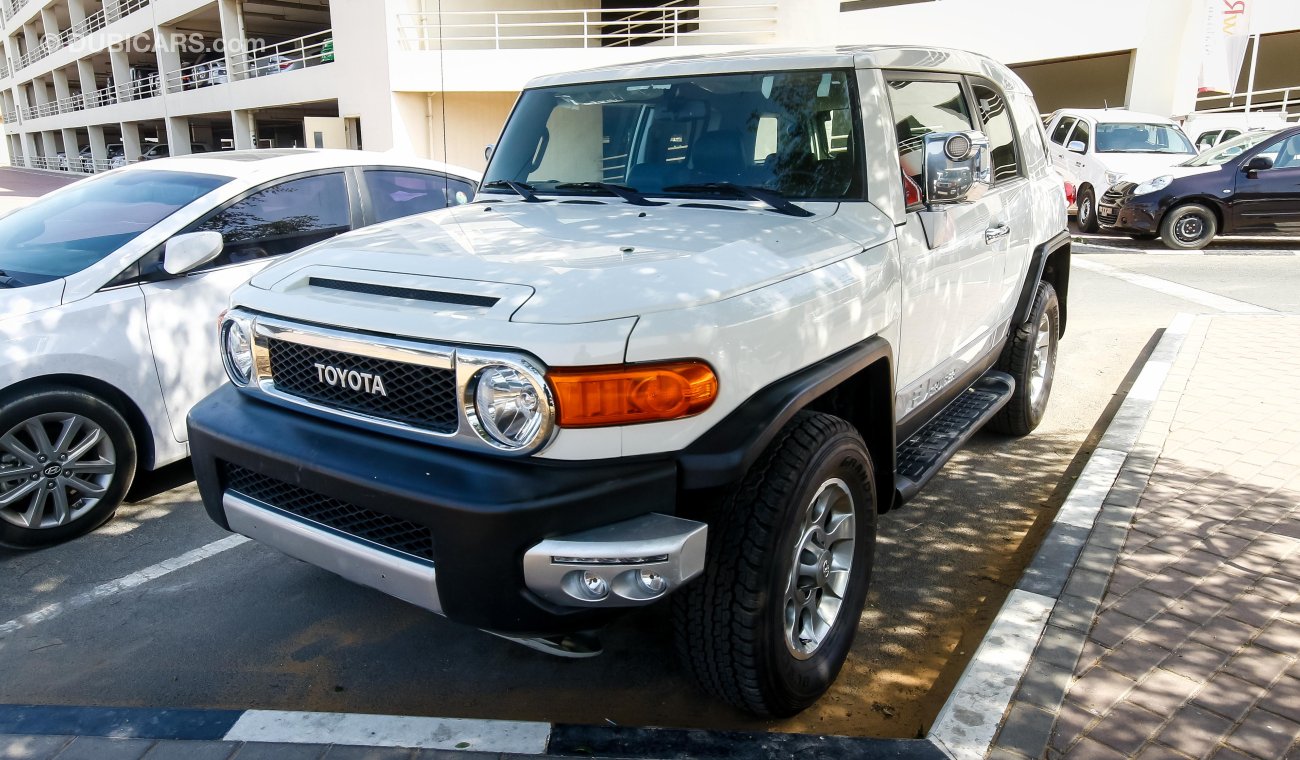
774, 200
9, 282
629, 194
524, 189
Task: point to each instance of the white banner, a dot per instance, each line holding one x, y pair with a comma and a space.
1227, 34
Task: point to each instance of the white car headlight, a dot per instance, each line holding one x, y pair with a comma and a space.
509, 406
237, 351
1112, 178
1153, 185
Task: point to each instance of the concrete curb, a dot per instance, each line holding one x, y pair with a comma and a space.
1023, 666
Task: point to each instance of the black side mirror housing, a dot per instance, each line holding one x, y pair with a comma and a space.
1256, 165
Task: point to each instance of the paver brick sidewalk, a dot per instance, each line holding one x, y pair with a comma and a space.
1194, 651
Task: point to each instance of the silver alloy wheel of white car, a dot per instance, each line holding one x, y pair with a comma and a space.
820, 568
1041, 363
54, 468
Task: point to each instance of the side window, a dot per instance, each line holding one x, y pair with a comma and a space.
1063, 128
395, 194
282, 218
920, 108
996, 117
1228, 134
1083, 134
1206, 140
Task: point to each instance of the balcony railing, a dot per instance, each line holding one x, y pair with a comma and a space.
87, 26
4, 69
306, 51
681, 22
12, 7
1283, 100
10, 115
196, 76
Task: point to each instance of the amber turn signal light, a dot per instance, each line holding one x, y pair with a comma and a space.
631, 393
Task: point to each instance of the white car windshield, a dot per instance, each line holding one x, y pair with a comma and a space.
791, 135
76, 226
1142, 138
1225, 152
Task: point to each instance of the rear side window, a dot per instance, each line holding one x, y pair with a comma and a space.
395, 194
922, 107
996, 117
282, 218
1063, 128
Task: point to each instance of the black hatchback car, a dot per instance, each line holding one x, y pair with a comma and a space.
1250, 184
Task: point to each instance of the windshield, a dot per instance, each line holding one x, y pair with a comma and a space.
1142, 138
791, 134
1229, 150
76, 226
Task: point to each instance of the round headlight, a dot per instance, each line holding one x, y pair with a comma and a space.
237, 350
508, 406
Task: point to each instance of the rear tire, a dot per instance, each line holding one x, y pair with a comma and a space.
1087, 204
1030, 357
789, 547
67, 459
1189, 227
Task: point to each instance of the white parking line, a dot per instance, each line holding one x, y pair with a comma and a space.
1185, 292
510, 736
125, 583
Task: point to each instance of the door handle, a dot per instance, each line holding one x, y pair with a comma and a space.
995, 233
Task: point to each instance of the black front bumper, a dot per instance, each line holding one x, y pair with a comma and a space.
1127, 214
483, 512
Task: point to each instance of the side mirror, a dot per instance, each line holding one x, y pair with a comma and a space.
957, 167
487, 152
191, 250
1256, 165
1077, 146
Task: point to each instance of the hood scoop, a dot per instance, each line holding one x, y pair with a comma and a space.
394, 291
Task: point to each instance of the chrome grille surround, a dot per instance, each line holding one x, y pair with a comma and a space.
464, 362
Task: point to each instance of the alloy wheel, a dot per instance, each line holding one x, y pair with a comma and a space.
819, 572
54, 468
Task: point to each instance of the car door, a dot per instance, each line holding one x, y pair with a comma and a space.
1062, 159
948, 268
258, 227
1269, 200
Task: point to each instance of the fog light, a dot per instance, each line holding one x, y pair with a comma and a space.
651, 582
595, 586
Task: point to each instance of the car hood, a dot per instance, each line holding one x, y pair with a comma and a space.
29, 299
1136, 167
575, 262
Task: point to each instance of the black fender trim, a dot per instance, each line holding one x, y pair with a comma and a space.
1037, 267
723, 454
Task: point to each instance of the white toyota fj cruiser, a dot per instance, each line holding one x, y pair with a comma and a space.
706, 318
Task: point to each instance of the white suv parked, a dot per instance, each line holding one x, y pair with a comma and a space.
1095, 148
704, 321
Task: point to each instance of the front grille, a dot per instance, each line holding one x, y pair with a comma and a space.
1118, 190
385, 530
416, 395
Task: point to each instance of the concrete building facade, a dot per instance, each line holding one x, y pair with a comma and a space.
86, 84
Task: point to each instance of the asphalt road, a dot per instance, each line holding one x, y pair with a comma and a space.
251, 628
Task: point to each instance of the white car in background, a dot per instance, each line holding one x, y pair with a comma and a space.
1209, 130
109, 294
1095, 148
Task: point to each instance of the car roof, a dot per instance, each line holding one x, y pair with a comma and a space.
1117, 116
278, 162
908, 57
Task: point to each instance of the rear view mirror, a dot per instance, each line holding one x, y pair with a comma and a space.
957, 167
1077, 146
191, 250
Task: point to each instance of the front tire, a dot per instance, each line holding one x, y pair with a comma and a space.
67, 459
769, 625
1030, 357
1189, 227
1087, 204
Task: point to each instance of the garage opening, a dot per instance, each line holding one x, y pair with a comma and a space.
1095, 81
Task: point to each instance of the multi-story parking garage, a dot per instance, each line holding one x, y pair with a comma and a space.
87, 84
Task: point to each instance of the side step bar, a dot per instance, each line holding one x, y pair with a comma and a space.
930, 448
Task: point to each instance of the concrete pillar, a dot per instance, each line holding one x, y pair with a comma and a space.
49, 147
72, 148
40, 91
167, 52
98, 145
61, 90
245, 129
29, 148
178, 135
31, 37
233, 36
76, 12
86, 76
51, 24
121, 72
131, 141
